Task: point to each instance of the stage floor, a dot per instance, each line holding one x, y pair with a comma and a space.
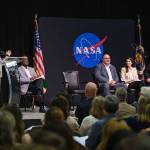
33, 115
32, 118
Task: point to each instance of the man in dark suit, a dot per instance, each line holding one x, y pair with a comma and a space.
84, 106
107, 76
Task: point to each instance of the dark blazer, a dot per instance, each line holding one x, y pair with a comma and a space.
135, 124
83, 109
101, 73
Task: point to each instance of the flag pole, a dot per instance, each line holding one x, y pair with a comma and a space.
139, 30
139, 57
35, 20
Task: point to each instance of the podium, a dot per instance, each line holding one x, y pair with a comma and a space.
10, 83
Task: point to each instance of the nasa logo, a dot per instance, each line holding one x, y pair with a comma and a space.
88, 50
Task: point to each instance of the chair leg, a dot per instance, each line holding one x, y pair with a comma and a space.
23, 98
33, 101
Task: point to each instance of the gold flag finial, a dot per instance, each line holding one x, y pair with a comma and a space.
35, 17
36, 20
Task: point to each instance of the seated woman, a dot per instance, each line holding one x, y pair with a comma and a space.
130, 76
129, 73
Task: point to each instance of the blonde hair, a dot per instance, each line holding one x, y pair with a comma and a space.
148, 112
111, 127
97, 107
143, 102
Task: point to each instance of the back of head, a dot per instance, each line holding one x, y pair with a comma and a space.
135, 143
54, 113
7, 126
66, 96
111, 104
147, 111
15, 111
143, 102
90, 89
62, 103
145, 91
112, 126
50, 139
61, 128
117, 137
97, 108
121, 93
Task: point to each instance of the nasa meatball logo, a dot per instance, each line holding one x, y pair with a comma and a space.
88, 50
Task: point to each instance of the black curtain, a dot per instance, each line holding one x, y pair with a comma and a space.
16, 18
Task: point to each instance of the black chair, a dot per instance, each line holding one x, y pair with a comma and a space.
33, 97
72, 84
27, 101
134, 90
30, 100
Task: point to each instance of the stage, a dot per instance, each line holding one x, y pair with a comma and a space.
32, 118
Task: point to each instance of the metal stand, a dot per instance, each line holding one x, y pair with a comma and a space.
10, 81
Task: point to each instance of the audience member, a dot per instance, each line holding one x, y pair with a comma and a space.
7, 131
19, 128
117, 137
62, 129
147, 130
63, 103
52, 139
141, 120
111, 127
96, 112
111, 103
124, 109
135, 143
54, 113
84, 106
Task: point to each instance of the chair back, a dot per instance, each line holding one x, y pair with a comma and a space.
71, 79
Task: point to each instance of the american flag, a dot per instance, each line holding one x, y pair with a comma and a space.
38, 56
